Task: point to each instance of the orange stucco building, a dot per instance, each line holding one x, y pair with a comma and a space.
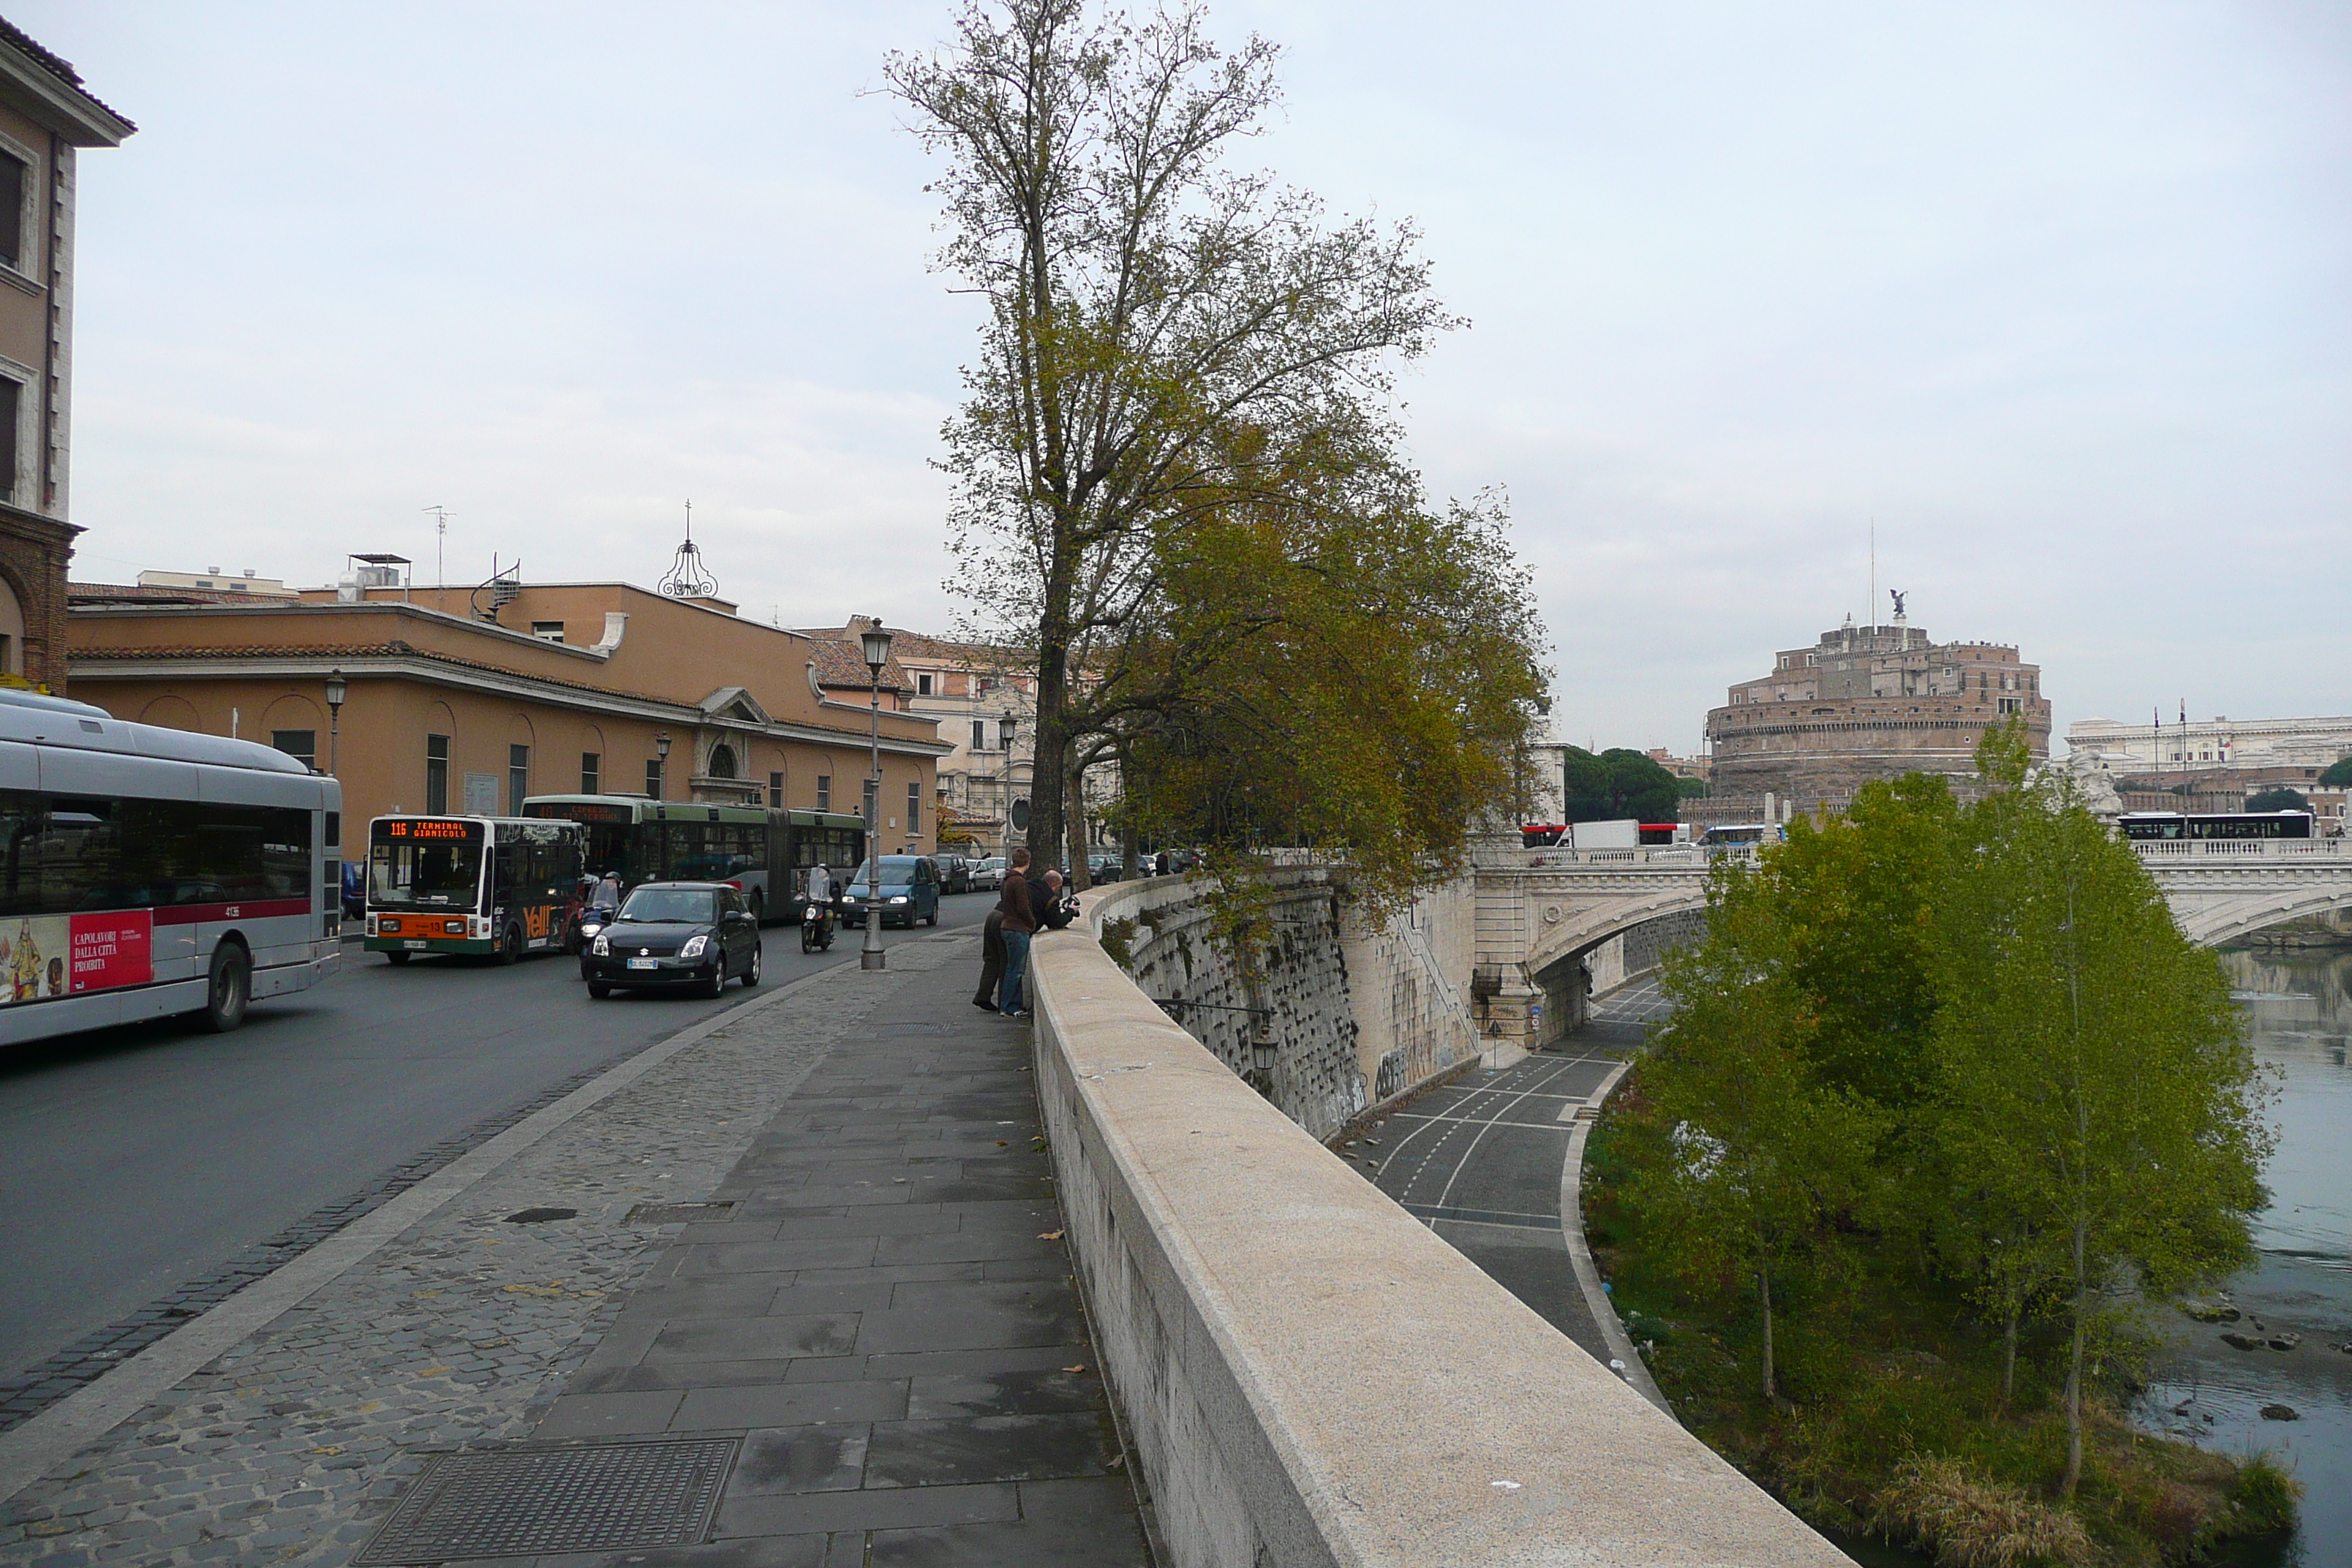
573, 687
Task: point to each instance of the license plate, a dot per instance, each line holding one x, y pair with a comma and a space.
645, 964
419, 946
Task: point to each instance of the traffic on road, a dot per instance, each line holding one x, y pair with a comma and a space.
146, 1156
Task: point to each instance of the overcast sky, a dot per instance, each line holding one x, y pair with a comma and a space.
2056, 295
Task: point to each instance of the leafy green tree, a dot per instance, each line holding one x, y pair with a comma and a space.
2098, 1103
2278, 800
1752, 1151
1167, 344
1857, 898
1617, 783
2339, 775
1690, 788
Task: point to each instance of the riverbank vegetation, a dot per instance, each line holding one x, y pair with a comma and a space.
1946, 1108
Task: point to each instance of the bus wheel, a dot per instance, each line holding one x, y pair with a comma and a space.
229, 988
398, 957
510, 950
759, 908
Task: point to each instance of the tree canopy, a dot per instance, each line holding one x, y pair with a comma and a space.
2338, 773
1177, 476
1617, 783
1968, 1045
2278, 800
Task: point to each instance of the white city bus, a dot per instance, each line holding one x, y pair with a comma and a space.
145, 871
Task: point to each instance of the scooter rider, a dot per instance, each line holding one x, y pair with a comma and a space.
820, 894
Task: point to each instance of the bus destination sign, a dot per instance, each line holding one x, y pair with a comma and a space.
428, 829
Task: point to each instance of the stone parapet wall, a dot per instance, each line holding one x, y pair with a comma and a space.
1308, 1375
1358, 1010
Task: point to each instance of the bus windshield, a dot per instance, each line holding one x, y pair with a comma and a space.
698, 906
440, 872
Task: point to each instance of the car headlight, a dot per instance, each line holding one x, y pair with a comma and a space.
604, 945
897, 899
694, 946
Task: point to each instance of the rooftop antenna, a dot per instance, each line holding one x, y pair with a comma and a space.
440, 536
1873, 600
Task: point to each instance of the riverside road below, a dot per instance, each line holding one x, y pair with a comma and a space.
153, 1167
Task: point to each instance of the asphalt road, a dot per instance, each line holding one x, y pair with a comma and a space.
1478, 1160
139, 1158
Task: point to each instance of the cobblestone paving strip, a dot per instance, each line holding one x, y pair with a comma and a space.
291, 1446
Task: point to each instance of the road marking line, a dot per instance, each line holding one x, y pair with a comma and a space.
28, 1451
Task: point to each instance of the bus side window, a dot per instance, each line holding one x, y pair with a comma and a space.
507, 868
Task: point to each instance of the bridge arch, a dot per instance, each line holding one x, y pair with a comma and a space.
2215, 921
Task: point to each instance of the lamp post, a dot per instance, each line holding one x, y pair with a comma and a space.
874, 642
337, 689
661, 774
1007, 726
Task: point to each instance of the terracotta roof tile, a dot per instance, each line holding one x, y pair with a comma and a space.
56, 66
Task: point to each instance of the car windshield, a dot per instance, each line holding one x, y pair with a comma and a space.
697, 906
895, 869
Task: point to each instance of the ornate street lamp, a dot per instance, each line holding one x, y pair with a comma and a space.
661, 776
874, 643
1007, 726
337, 691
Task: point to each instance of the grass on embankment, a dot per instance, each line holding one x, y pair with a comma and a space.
1891, 1423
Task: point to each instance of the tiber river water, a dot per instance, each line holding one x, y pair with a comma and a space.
2298, 1007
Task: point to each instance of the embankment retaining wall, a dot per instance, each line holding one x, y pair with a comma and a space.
1307, 1376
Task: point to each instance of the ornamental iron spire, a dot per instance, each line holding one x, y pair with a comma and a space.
688, 578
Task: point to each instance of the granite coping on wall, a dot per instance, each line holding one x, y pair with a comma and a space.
1363, 1394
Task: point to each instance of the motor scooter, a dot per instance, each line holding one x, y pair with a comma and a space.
816, 926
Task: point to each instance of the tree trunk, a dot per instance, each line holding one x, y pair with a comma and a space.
2009, 1354
1764, 1283
1049, 764
2074, 1474
1074, 794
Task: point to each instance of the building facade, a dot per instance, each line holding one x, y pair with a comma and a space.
47, 117
972, 691
1863, 703
587, 688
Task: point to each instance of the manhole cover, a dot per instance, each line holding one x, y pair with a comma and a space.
677, 1214
598, 1497
541, 1216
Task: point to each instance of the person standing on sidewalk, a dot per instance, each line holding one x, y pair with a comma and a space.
991, 958
1020, 923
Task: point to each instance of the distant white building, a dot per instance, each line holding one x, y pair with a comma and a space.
2313, 743
219, 581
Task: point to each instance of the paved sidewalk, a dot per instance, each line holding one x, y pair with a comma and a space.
878, 1317
886, 1317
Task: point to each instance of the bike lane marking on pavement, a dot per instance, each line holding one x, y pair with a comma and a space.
28, 1450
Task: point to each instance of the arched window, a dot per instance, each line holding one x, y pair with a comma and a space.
722, 762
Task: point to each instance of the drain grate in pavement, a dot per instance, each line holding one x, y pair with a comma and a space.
590, 1497
678, 1213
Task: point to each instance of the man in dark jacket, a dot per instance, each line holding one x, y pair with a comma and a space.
1046, 900
1017, 924
992, 958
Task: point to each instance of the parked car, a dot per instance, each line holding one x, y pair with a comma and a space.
1101, 868
695, 935
909, 891
955, 873
988, 876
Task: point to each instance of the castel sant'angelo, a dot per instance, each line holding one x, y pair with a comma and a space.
1869, 702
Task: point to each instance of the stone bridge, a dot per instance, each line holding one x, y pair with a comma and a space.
1546, 918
